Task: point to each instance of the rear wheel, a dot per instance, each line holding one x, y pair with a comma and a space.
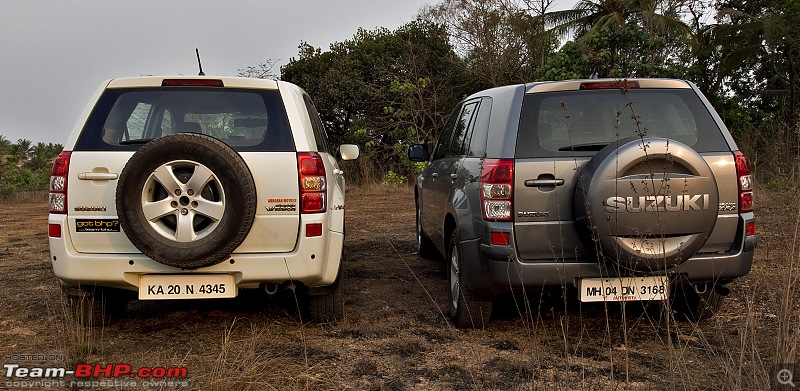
425, 247
466, 309
697, 302
327, 306
94, 308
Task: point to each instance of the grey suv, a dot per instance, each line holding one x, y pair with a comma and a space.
621, 190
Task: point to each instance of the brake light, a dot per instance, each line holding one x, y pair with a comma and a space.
58, 183
192, 83
497, 177
312, 182
609, 85
745, 180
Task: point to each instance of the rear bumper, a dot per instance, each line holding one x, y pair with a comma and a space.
493, 270
314, 262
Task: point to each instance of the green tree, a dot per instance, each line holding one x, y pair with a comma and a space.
618, 34
501, 41
763, 39
383, 89
21, 149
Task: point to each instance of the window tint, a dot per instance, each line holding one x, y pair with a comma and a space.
475, 143
584, 121
247, 120
463, 124
443, 145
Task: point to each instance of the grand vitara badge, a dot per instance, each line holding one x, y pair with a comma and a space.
281, 204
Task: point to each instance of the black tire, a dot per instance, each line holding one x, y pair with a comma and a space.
327, 306
466, 309
425, 247
191, 228
695, 303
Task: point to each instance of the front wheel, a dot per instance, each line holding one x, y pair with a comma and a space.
466, 309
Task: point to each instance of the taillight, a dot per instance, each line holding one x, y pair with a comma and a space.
745, 180
609, 85
311, 170
58, 184
497, 177
192, 83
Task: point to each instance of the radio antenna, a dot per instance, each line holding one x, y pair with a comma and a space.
199, 65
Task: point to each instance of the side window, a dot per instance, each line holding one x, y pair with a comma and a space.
319, 130
463, 127
475, 143
443, 145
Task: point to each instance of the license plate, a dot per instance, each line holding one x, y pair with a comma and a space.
624, 289
172, 286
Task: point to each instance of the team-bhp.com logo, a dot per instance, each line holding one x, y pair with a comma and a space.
94, 375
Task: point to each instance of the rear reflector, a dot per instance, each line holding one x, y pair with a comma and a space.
313, 230
750, 229
499, 238
192, 83
54, 230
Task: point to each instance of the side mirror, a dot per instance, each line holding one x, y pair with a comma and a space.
418, 152
349, 151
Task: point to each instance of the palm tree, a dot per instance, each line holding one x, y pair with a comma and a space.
39, 155
5, 145
608, 32
21, 149
591, 16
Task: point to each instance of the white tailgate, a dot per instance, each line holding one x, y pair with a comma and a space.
94, 226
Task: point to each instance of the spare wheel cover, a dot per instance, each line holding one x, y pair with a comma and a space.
647, 204
186, 200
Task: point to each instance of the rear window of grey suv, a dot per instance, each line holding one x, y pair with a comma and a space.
247, 120
580, 123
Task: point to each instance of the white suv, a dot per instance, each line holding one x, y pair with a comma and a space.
195, 187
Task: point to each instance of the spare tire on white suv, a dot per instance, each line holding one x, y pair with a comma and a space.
612, 190
196, 187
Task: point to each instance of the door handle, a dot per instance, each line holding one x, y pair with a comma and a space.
98, 176
543, 182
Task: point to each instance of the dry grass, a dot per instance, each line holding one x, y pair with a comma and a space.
395, 335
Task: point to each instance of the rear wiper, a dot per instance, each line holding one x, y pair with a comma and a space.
584, 147
140, 141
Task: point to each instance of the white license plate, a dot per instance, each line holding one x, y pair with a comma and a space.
189, 286
624, 288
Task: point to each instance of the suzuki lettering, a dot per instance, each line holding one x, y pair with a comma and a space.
658, 203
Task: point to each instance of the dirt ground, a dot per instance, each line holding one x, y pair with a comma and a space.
395, 336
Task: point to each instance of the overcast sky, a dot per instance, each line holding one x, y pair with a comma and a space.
55, 53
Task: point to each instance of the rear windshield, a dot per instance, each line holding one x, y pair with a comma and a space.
583, 122
247, 120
